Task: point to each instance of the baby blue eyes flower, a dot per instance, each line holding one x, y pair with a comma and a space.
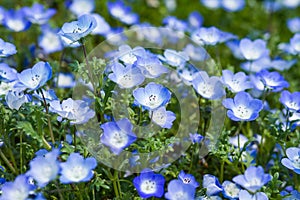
236, 82
7, 49
188, 179
290, 100
37, 14
37, 76
162, 117
102, 27
295, 43
212, 185
231, 190
196, 138
233, 6
15, 99
149, 184
77, 169
45, 168
174, 58
117, 135
245, 195
80, 7
122, 12
151, 67
208, 87
74, 31
243, 107
253, 179
50, 41
179, 190
272, 80
253, 50
293, 159
16, 20
152, 96
7, 74
294, 24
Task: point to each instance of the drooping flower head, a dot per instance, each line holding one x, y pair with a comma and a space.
293, 159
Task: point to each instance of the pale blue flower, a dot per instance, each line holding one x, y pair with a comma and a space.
175, 58
80, 7
230, 190
162, 117
212, 185
50, 41
179, 190
293, 159
7, 49
236, 82
150, 66
102, 27
15, 20
233, 6
245, 195
37, 14
7, 74
15, 99
253, 50
122, 12
293, 24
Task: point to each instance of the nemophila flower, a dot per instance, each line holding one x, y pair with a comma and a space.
49, 95
243, 107
2, 14
234, 46
6, 87
233, 6
148, 184
162, 117
80, 7
282, 65
117, 135
150, 66
253, 179
7, 74
102, 27
73, 31
208, 87
77, 169
17, 190
293, 24
290, 100
195, 20
77, 111
179, 190
245, 195
295, 43
211, 4
175, 58
16, 20
148, 33
290, 3
7, 49
174, 23
186, 73
236, 82
212, 185
128, 55
272, 80
196, 138
230, 190
188, 179
126, 77
152, 96
37, 14
196, 53
65, 80
44, 169
253, 50
35, 77
50, 41
263, 63
122, 12
294, 195
293, 159
116, 36
15, 99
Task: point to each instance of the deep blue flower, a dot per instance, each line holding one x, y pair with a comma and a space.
243, 107
290, 100
77, 169
75, 30
236, 82
122, 12
80, 7
17, 190
15, 20
162, 117
149, 184
208, 87
272, 80
50, 41
126, 77
253, 50
188, 179
7, 49
7, 74
293, 159
231, 190
35, 77
245, 195
253, 179
196, 138
37, 14
117, 135
45, 168
293, 24
179, 190
152, 96
212, 185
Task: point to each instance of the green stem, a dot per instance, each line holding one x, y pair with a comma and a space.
10, 166
118, 182
222, 171
21, 153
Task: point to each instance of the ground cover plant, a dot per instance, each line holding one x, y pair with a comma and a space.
151, 99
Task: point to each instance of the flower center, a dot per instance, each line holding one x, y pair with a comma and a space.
148, 186
119, 139
243, 112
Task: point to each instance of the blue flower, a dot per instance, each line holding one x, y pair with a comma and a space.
80, 7
74, 31
37, 14
290, 100
149, 184
208, 87
293, 159
122, 12
253, 50
179, 190
117, 135
243, 107
15, 99
231, 190
233, 6
196, 53
196, 138
195, 20
175, 58
253, 179
162, 117
77, 169
7, 74
272, 80
102, 27
7, 49
37, 76
293, 24
50, 41
175, 24
294, 195
15, 20
128, 55
151, 66
126, 77
188, 179
295, 43
65, 80
236, 82
245, 195
44, 169
152, 96
17, 190
2, 14
212, 185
